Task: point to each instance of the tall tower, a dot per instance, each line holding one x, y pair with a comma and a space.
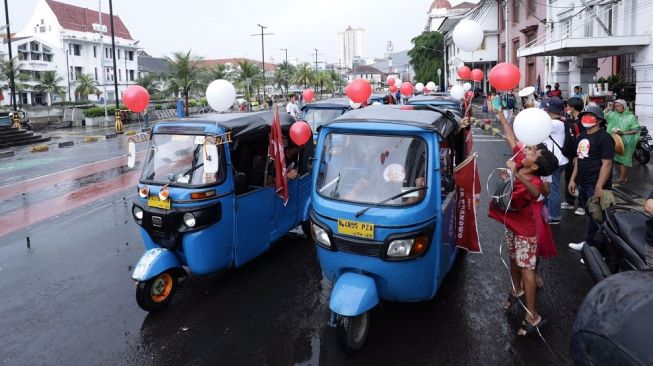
351, 44
388, 51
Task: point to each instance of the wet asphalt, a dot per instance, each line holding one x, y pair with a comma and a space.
69, 299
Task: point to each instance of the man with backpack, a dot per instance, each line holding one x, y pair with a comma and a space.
508, 102
573, 129
556, 143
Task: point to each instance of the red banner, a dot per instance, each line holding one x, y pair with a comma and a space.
468, 190
276, 153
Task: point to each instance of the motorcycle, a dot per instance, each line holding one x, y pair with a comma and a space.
625, 230
643, 150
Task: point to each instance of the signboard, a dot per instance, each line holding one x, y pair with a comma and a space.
96, 27
37, 65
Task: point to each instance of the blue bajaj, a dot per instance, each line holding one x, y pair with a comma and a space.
383, 210
207, 199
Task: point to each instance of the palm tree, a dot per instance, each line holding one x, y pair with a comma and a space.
304, 75
185, 74
338, 83
19, 76
251, 71
150, 82
283, 77
49, 83
86, 85
324, 79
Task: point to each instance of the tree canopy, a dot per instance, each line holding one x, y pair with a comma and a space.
426, 56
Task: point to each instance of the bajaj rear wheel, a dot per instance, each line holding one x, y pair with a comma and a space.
642, 155
154, 294
351, 331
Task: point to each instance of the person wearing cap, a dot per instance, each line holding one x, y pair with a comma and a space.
555, 108
592, 165
573, 130
622, 122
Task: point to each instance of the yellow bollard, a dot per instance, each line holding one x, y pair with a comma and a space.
16, 121
118, 122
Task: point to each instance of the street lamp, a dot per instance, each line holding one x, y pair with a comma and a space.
115, 68
262, 34
285, 50
439, 73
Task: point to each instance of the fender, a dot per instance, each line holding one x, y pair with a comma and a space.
353, 294
153, 262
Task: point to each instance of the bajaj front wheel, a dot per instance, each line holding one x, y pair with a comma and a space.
351, 331
154, 294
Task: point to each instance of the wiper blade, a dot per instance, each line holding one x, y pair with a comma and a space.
390, 199
192, 169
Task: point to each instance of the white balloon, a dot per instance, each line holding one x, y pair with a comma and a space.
354, 105
457, 92
221, 95
468, 35
430, 85
532, 126
419, 87
467, 86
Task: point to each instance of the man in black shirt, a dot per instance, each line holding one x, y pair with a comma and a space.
573, 129
592, 166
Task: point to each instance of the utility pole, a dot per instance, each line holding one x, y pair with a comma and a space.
11, 60
115, 69
104, 75
262, 34
316, 59
505, 20
286, 50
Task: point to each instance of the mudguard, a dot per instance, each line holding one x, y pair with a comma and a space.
353, 294
153, 262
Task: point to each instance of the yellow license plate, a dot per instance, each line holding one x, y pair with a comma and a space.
355, 228
155, 201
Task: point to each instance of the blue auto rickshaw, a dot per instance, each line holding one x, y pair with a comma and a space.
383, 208
437, 101
207, 199
323, 111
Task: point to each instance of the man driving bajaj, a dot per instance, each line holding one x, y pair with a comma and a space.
205, 201
383, 210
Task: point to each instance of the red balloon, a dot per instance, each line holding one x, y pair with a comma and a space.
300, 133
308, 95
393, 88
391, 81
504, 76
136, 98
407, 89
477, 75
359, 91
470, 94
464, 72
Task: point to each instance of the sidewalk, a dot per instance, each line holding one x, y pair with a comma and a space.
635, 191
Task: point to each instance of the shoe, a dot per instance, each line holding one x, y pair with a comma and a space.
554, 221
566, 206
577, 246
579, 212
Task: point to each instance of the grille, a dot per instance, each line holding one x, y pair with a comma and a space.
368, 248
158, 234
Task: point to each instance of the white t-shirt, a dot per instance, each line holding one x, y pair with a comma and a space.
291, 108
557, 134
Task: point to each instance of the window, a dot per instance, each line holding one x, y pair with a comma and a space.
130, 55
515, 10
107, 53
108, 72
76, 49
37, 76
78, 72
502, 55
47, 57
95, 51
96, 74
131, 75
502, 21
565, 29
42, 29
531, 9
118, 52
72, 75
34, 46
515, 47
119, 75
530, 37
35, 56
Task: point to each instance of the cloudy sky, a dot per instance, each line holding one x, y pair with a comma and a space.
222, 29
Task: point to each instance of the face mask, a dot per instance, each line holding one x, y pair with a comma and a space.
588, 121
589, 125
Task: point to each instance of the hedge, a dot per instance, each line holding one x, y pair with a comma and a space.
99, 111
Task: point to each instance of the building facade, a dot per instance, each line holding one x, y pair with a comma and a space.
351, 46
72, 41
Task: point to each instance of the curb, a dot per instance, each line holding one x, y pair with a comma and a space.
66, 143
6, 154
90, 139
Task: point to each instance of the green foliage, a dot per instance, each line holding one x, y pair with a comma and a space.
150, 82
49, 83
86, 85
304, 75
6, 67
99, 111
185, 75
248, 70
426, 56
283, 76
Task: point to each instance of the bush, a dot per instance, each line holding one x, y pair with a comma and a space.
203, 102
99, 111
192, 103
171, 106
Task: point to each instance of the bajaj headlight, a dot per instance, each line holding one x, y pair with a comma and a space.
407, 248
189, 219
320, 235
138, 212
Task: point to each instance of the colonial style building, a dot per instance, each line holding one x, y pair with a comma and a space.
72, 41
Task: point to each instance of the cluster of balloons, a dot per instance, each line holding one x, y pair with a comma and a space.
465, 73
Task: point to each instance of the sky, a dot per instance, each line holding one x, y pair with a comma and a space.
223, 29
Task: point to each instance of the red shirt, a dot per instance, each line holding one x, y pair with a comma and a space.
556, 93
523, 221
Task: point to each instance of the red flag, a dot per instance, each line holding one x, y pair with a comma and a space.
468, 189
276, 153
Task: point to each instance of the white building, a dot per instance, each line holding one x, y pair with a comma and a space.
584, 34
351, 45
441, 10
486, 14
66, 38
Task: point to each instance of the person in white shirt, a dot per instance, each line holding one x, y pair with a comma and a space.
291, 107
555, 108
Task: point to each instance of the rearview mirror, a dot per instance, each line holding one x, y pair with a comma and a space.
131, 154
210, 158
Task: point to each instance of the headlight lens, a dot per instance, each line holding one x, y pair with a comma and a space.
408, 248
164, 193
320, 235
189, 219
144, 191
138, 213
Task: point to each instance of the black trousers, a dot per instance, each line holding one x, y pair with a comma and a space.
569, 169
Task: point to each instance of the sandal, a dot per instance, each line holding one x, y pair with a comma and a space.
527, 327
512, 299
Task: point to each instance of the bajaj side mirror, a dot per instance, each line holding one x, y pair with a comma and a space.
210, 159
131, 154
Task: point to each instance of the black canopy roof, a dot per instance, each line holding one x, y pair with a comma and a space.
332, 103
442, 121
